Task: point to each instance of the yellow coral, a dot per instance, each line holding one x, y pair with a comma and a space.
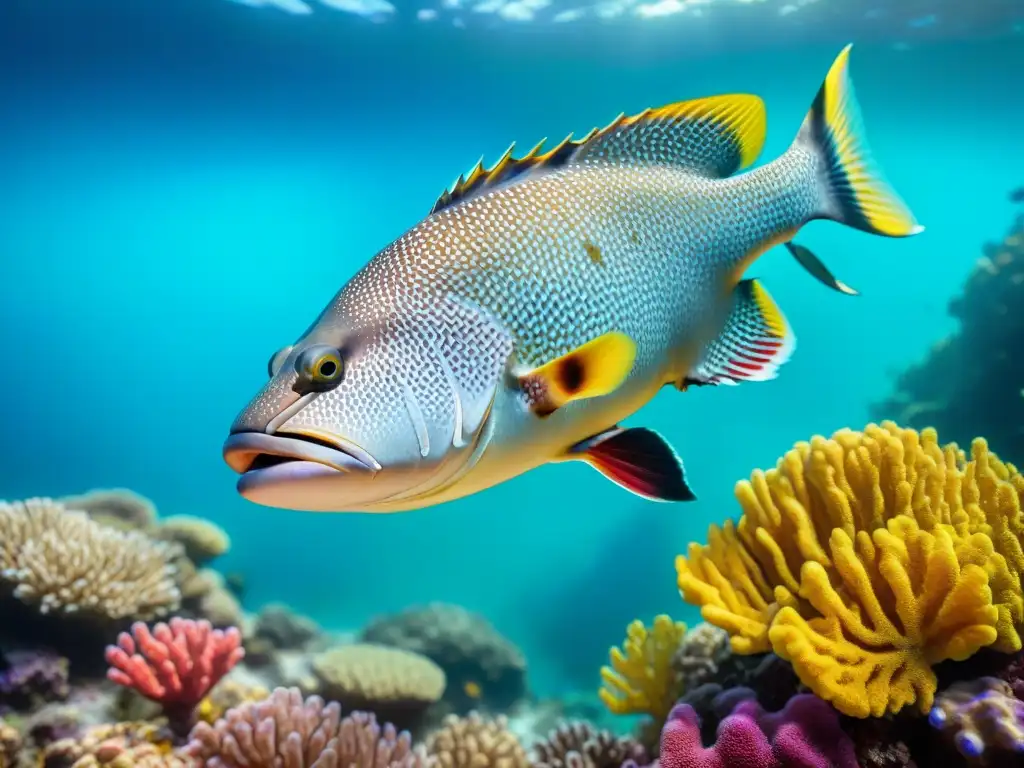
866, 559
641, 677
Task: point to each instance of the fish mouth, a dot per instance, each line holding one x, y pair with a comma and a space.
263, 459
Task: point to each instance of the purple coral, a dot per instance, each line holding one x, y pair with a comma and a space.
804, 734
981, 715
32, 678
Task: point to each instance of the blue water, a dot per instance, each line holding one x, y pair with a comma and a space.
184, 184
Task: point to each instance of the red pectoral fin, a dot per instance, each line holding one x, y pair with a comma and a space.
639, 460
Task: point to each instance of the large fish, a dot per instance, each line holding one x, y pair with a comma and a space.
546, 299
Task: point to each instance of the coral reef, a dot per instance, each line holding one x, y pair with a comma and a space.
10, 745
115, 508
62, 561
483, 668
124, 745
29, 679
201, 539
805, 734
398, 685
474, 741
864, 560
970, 382
175, 665
641, 678
983, 716
288, 732
577, 744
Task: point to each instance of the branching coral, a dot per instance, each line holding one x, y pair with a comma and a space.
981, 715
174, 665
866, 559
64, 562
285, 731
641, 677
476, 742
577, 744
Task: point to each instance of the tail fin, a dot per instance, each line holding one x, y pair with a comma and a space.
855, 191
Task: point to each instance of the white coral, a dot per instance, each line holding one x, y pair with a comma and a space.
62, 561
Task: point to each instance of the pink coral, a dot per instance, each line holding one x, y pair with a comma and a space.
174, 665
804, 734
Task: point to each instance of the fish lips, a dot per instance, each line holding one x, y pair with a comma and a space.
265, 460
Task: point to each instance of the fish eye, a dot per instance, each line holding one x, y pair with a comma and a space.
277, 360
320, 367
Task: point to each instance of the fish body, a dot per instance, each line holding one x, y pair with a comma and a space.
548, 298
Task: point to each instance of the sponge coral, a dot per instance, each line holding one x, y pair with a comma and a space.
866, 559
642, 677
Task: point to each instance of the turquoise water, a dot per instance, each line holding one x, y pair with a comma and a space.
183, 186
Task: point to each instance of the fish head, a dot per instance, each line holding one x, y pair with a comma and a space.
363, 418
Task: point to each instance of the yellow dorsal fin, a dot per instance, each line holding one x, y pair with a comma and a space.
596, 368
714, 136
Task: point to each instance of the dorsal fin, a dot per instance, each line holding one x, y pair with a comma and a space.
714, 136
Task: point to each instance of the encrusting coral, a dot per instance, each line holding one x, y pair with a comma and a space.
577, 744
641, 678
474, 741
29, 679
983, 716
174, 665
124, 745
285, 731
865, 559
61, 561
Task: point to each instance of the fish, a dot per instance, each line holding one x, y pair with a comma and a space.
807, 259
547, 298
1017, 195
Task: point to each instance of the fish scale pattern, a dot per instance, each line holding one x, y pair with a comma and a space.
514, 269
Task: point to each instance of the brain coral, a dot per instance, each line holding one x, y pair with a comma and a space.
394, 683
865, 559
465, 645
64, 562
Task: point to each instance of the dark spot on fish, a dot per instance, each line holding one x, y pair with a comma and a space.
635, 237
1017, 196
570, 374
593, 252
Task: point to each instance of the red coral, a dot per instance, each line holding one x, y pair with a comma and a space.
176, 665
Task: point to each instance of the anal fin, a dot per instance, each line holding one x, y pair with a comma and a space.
597, 368
639, 460
753, 345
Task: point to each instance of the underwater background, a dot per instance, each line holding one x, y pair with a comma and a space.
184, 184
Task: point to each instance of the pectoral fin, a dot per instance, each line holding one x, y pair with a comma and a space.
754, 343
597, 368
640, 460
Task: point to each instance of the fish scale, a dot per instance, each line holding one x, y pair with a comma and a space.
549, 297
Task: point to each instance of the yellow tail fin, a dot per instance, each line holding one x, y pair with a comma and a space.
856, 193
